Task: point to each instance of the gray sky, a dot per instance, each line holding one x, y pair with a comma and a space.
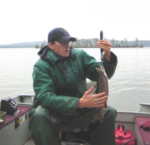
31, 20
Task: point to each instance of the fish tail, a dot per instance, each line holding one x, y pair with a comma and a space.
99, 115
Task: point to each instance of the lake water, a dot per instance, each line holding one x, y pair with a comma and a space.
129, 86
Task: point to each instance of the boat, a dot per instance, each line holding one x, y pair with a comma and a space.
14, 131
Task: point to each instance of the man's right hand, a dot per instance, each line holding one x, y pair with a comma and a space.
92, 100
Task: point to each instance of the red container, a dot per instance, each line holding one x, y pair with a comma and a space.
123, 136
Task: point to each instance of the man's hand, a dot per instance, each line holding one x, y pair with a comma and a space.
106, 46
92, 100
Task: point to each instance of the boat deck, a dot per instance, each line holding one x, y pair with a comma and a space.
30, 142
21, 135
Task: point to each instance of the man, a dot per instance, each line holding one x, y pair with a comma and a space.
62, 100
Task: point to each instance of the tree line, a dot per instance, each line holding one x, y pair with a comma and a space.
124, 43
42, 45
85, 43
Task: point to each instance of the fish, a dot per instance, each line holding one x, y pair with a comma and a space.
101, 86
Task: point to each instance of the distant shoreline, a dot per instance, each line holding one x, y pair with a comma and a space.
73, 47
112, 47
90, 43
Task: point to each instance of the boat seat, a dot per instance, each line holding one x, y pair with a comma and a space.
14, 130
11, 118
143, 136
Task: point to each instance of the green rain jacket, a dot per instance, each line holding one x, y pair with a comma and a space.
60, 83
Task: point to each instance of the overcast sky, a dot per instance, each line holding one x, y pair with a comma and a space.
31, 20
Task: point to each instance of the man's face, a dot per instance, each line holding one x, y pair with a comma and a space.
61, 49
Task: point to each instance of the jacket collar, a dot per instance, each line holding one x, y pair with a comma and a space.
46, 54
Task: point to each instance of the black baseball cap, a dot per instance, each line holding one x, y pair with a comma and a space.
60, 35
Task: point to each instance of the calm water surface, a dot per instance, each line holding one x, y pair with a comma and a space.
129, 86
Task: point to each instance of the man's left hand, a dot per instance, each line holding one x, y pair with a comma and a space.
106, 46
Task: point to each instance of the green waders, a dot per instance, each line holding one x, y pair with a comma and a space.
45, 128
